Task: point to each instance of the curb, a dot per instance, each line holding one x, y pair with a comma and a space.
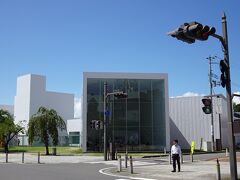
104, 172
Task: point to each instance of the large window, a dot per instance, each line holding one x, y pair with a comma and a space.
74, 138
137, 122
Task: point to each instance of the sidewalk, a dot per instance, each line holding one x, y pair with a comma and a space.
32, 158
196, 170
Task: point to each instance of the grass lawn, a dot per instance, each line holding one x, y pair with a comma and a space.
60, 150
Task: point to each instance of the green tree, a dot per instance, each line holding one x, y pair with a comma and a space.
8, 129
45, 124
236, 107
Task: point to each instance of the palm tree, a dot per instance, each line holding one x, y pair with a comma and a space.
45, 124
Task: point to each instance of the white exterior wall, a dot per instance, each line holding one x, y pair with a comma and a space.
32, 94
22, 99
74, 125
189, 123
9, 108
109, 75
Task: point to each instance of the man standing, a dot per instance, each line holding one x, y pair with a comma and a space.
176, 153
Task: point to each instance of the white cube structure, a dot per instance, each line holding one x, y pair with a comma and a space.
31, 94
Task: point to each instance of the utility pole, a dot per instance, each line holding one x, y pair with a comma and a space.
104, 121
231, 140
211, 93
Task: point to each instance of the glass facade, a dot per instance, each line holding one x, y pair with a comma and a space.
74, 138
137, 122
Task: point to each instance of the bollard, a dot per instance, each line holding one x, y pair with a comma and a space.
165, 150
116, 153
126, 160
131, 164
218, 175
54, 151
191, 157
22, 157
108, 155
6, 157
170, 158
38, 157
181, 158
119, 163
227, 153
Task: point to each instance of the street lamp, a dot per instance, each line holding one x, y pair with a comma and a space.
189, 32
117, 94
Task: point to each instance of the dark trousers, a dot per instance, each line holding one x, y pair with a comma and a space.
176, 157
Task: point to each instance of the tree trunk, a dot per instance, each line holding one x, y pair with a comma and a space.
47, 150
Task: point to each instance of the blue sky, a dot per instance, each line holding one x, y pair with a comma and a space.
63, 38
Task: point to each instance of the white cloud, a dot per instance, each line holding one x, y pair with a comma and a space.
77, 108
236, 99
190, 94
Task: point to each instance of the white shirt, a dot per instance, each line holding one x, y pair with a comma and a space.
176, 149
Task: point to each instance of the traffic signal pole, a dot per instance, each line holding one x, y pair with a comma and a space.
231, 140
189, 32
105, 121
106, 94
211, 93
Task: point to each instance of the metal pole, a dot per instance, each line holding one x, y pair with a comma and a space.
38, 157
119, 163
126, 160
231, 140
211, 92
218, 175
131, 164
220, 129
170, 158
22, 157
227, 153
181, 158
6, 157
105, 122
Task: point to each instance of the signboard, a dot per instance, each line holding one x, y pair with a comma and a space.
107, 113
192, 147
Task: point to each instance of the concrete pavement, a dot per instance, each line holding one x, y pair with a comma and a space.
162, 170
150, 168
79, 171
32, 158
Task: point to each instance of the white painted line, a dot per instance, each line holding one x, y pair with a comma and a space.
118, 176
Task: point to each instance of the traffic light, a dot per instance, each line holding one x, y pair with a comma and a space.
199, 32
120, 95
189, 32
97, 125
92, 124
223, 68
207, 109
180, 35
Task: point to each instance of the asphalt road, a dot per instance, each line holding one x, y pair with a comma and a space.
79, 171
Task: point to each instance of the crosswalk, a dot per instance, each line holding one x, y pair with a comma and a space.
115, 163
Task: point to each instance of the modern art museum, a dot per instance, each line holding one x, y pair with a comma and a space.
139, 122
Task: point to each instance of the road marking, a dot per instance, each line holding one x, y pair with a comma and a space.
114, 175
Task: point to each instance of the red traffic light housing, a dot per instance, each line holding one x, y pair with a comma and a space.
207, 109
